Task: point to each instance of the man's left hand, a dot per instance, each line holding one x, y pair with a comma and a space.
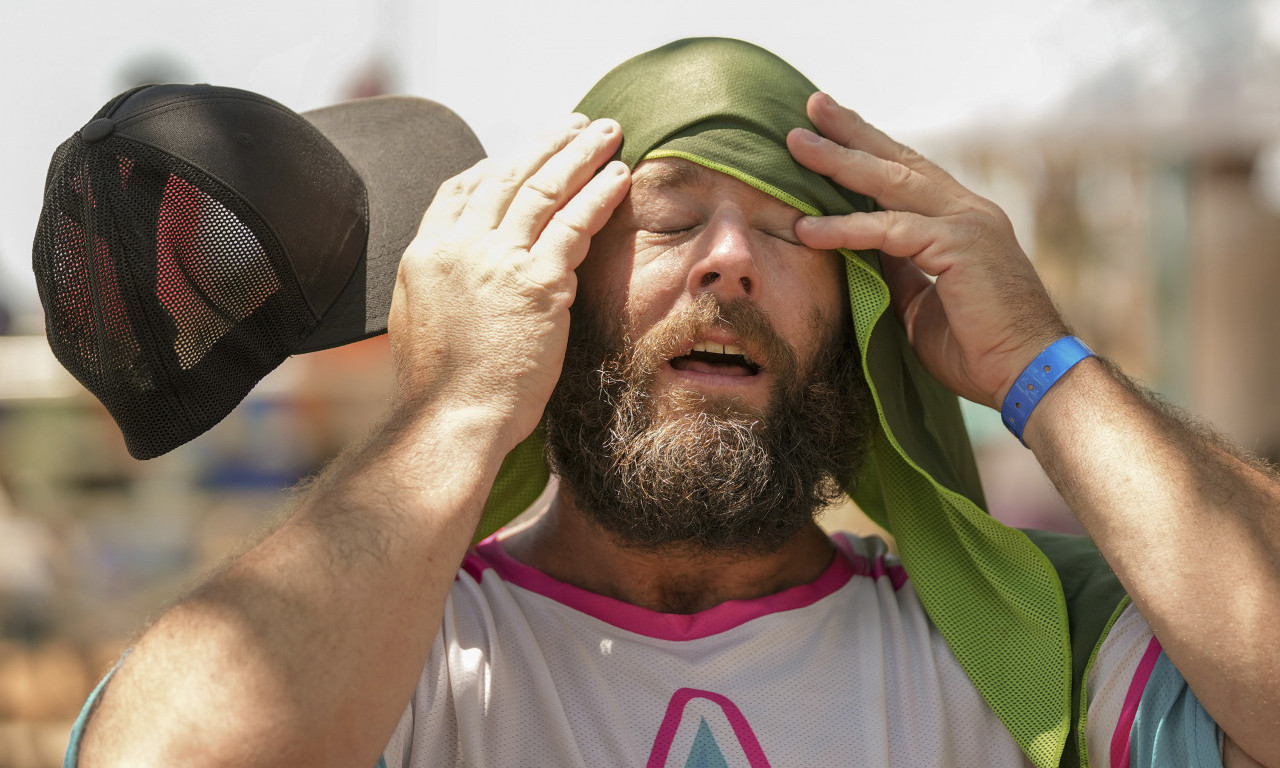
974, 309
1146, 484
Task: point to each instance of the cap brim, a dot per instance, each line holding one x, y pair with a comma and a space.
403, 148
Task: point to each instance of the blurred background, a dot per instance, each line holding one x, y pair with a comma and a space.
1134, 143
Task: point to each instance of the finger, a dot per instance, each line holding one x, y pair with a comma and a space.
565, 239
503, 179
890, 183
847, 128
451, 198
561, 177
923, 239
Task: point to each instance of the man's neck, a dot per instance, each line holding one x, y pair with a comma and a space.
566, 544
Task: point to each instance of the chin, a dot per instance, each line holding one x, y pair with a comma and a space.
679, 400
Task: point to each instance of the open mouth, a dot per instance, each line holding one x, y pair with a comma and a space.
721, 359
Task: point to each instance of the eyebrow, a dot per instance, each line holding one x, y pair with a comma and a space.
670, 176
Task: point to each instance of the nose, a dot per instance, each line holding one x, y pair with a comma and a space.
727, 262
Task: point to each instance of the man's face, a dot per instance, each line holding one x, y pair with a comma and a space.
687, 232
708, 395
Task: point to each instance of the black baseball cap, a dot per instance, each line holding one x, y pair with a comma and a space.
194, 236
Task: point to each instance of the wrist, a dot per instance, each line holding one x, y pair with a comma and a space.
474, 433
420, 459
1072, 409
1036, 381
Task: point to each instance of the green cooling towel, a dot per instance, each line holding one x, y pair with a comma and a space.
728, 105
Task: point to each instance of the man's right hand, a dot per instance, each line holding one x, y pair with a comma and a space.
480, 315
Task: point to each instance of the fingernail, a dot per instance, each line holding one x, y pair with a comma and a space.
605, 126
577, 121
808, 136
827, 102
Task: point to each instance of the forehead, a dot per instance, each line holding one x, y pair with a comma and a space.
670, 173
661, 175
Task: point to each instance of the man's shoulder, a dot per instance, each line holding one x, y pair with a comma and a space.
1089, 585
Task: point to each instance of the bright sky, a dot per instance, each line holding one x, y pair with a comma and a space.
509, 67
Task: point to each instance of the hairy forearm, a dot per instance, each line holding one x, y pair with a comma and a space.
305, 650
1192, 528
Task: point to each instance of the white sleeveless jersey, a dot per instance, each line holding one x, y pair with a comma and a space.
845, 671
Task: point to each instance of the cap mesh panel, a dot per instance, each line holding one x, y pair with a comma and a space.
199, 243
164, 294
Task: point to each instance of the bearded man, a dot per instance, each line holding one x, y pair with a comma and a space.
732, 365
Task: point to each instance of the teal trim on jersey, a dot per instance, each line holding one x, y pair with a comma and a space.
72, 758
1171, 726
382, 762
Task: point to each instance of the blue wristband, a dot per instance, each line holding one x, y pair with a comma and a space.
1058, 358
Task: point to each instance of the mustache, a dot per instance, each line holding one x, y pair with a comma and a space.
674, 335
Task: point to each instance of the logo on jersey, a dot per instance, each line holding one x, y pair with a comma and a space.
703, 729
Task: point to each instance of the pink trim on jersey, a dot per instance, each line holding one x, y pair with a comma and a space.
671, 723
474, 565
865, 566
1120, 738
671, 626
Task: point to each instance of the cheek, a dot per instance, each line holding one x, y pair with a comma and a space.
655, 286
835, 285
816, 280
813, 297
606, 271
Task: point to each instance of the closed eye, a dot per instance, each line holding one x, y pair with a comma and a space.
787, 236
668, 231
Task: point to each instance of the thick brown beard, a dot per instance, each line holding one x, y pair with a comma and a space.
689, 471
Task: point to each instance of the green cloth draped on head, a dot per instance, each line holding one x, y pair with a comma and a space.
728, 105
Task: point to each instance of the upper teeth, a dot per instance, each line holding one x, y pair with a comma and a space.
720, 349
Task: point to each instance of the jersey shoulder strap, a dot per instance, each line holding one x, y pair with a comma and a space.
1094, 602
